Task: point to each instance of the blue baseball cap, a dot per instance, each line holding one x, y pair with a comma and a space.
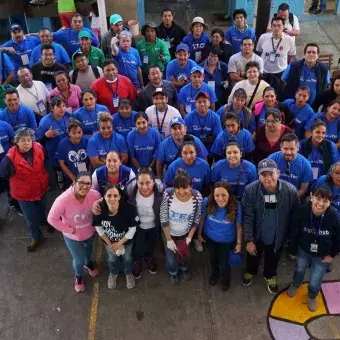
115, 18
177, 120
183, 47
197, 69
15, 27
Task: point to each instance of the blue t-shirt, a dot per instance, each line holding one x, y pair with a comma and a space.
173, 69
24, 117
299, 171
22, 48
168, 150
60, 128
333, 128
74, 155
187, 95
69, 39
308, 78
322, 181
301, 116
196, 46
199, 172
234, 36
60, 54
243, 137
128, 62
216, 226
8, 66
98, 146
6, 136
89, 119
143, 146
203, 127
124, 125
238, 177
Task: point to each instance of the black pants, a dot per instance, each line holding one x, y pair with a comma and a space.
4, 187
144, 243
274, 80
219, 255
271, 260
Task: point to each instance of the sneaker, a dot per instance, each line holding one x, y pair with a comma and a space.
198, 245
272, 285
184, 276
152, 265
247, 279
136, 269
93, 271
312, 304
33, 245
292, 290
112, 281
174, 279
319, 11
225, 282
312, 9
130, 281
17, 209
214, 278
79, 284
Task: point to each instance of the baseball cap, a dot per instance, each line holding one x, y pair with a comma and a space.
15, 27
177, 120
84, 34
197, 69
78, 54
266, 165
115, 18
159, 90
203, 94
183, 47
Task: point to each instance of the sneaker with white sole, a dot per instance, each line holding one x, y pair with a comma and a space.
198, 245
272, 285
247, 279
79, 285
93, 271
130, 281
112, 281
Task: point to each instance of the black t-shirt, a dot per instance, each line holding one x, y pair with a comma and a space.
46, 74
117, 226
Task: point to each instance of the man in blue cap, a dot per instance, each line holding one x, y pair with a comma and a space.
20, 47
69, 37
116, 26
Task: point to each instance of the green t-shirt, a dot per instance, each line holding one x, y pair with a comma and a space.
96, 57
65, 6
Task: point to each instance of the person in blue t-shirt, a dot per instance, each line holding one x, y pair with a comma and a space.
294, 168
7, 75
20, 47
203, 122
88, 114
320, 152
71, 152
235, 34
332, 119
178, 70
197, 39
169, 149
187, 95
124, 119
16, 114
104, 141
60, 54
233, 169
221, 229
128, 59
143, 142
196, 167
300, 110
233, 132
68, 37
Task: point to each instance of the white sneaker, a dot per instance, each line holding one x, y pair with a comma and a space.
130, 281
112, 281
198, 245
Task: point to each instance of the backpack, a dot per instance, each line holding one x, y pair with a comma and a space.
76, 71
290, 18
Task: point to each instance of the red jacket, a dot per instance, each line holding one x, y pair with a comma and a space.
29, 182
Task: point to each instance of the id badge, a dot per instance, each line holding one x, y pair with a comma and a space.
115, 101
41, 106
145, 59
315, 173
212, 84
49, 86
81, 166
198, 56
24, 59
188, 108
314, 248
272, 57
168, 43
1, 149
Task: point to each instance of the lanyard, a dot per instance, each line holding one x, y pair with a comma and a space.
242, 170
20, 50
199, 121
198, 91
160, 126
107, 150
277, 46
114, 93
316, 229
16, 119
34, 95
168, 35
88, 113
129, 126
63, 119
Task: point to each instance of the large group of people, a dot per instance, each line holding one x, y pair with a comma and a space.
224, 141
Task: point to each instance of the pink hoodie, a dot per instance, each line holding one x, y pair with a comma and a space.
68, 213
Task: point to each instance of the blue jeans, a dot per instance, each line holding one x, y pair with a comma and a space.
113, 259
34, 213
317, 272
171, 260
81, 252
323, 4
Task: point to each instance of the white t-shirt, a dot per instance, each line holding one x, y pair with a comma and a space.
237, 63
145, 210
31, 96
179, 216
171, 112
283, 47
95, 21
288, 26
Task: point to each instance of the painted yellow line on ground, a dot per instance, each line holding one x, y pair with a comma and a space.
334, 330
95, 296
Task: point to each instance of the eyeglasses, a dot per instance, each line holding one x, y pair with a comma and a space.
311, 52
271, 121
84, 184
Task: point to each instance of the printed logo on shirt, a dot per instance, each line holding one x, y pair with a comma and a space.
196, 46
177, 217
111, 231
312, 231
82, 220
77, 157
146, 148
